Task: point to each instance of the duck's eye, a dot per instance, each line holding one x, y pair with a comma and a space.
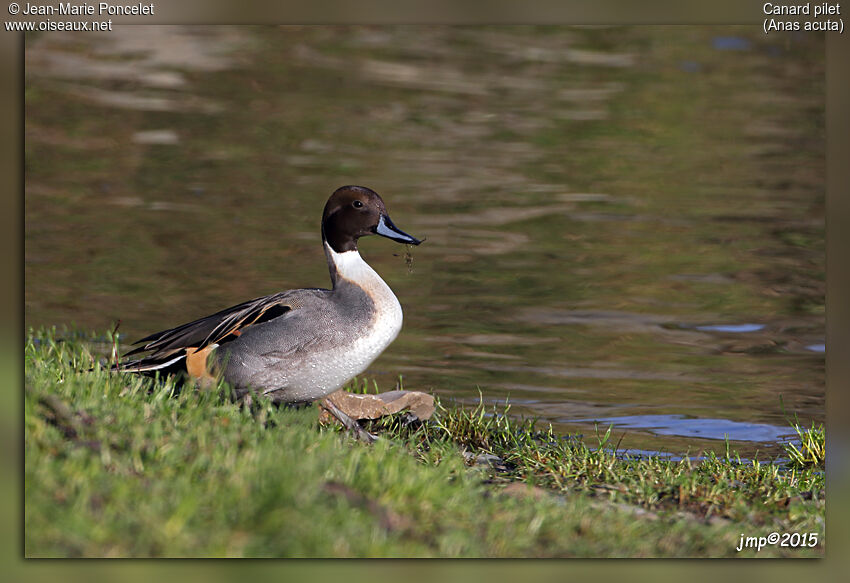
357, 204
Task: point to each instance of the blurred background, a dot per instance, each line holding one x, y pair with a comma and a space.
625, 225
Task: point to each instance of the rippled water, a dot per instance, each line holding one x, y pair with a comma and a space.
624, 224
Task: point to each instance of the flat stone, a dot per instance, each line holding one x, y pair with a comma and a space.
368, 406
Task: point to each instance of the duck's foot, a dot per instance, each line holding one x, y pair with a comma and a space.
349, 423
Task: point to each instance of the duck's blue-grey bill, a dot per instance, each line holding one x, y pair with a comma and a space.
387, 229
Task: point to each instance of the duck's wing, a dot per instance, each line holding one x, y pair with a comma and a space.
169, 347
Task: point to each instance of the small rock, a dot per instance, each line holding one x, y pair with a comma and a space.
485, 459
522, 490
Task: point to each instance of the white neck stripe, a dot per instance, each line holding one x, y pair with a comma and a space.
350, 265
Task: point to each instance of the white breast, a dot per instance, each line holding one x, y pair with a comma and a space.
387, 319
326, 369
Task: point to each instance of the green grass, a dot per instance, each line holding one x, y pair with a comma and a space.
118, 465
812, 450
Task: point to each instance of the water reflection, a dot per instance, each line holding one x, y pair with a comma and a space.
702, 428
733, 328
731, 43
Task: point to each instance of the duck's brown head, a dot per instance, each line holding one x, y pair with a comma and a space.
356, 211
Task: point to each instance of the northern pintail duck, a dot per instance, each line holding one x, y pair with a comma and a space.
299, 345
